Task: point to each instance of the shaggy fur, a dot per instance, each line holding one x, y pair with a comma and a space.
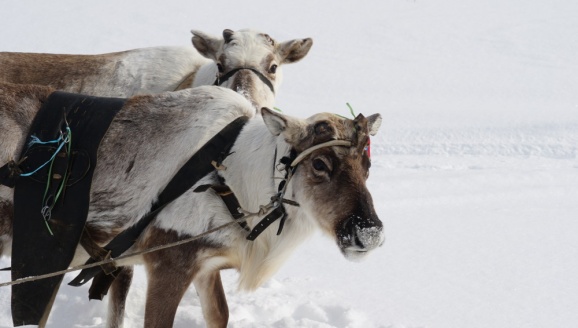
139, 156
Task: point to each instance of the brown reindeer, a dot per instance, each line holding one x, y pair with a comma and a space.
246, 61
322, 160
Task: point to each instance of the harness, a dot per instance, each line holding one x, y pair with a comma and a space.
199, 165
222, 79
275, 208
51, 194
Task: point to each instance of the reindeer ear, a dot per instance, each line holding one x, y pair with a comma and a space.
373, 124
294, 50
207, 45
275, 122
228, 35
292, 129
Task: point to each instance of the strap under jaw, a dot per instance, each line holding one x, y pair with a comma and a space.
277, 213
289, 165
278, 200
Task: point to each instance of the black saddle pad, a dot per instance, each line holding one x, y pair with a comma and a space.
45, 243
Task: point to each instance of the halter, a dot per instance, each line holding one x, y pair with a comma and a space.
222, 79
289, 165
308, 151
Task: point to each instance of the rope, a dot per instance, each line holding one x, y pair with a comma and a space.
122, 257
60, 140
262, 210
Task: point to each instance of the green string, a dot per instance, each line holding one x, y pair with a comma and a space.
68, 141
350, 109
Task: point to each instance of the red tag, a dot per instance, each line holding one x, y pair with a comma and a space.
368, 148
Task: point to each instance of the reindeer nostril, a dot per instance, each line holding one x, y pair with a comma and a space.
358, 242
352, 225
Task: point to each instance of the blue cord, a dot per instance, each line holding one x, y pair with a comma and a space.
35, 140
60, 140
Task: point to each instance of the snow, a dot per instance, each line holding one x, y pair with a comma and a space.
474, 173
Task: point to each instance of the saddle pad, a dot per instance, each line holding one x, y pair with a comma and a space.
37, 250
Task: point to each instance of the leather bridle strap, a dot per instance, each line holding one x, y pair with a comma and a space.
278, 211
308, 151
222, 79
290, 163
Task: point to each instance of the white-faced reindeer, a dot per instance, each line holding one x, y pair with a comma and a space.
322, 161
246, 61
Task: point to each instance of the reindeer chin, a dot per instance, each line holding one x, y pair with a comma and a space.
354, 255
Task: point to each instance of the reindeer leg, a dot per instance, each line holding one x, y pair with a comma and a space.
212, 296
117, 297
171, 271
164, 293
168, 280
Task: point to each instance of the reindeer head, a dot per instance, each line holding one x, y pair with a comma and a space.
329, 182
249, 62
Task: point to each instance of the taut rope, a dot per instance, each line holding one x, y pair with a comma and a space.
275, 203
122, 257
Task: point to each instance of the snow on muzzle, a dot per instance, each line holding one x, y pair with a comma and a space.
359, 234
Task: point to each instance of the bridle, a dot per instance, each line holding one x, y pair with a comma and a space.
223, 78
276, 207
331, 143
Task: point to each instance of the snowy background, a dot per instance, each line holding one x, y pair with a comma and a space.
475, 169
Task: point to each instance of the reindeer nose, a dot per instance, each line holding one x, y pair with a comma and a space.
367, 232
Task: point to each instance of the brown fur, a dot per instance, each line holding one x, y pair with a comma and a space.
133, 166
46, 69
6, 212
139, 120
19, 98
119, 291
185, 263
187, 82
348, 170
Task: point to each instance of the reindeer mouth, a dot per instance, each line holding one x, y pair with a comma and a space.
355, 249
354, 253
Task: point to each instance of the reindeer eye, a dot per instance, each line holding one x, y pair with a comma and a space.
220, 67
273, 69
322, 128
319, 165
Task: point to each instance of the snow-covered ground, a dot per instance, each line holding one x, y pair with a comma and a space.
475, 169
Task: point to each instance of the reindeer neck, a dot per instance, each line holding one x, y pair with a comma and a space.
259, 97
251, 168
205, 75
249, 174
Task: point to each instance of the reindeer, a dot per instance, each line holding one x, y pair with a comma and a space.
320, 163
246, 61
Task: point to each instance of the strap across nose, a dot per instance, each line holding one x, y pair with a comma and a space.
222, 79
